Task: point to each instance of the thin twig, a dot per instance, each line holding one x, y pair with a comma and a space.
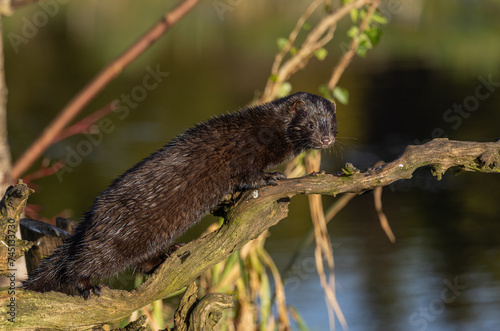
293, 35
384, 222
284, 321
5, 159
16, 4
377, 199
349, 55
336, 207
84, 124
317, 38
324, 249
97, 84
43, 172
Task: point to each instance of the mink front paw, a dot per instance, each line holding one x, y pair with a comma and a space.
271, 178
88, 291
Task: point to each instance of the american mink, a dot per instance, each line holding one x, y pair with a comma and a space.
132, 223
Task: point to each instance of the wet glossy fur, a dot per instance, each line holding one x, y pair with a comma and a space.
132, 223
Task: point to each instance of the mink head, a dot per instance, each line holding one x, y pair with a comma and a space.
313, 123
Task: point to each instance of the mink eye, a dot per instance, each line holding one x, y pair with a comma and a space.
311, 126
332, 128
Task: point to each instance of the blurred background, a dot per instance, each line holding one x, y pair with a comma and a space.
434, 74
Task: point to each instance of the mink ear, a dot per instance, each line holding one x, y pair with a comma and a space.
334, 107
297, 106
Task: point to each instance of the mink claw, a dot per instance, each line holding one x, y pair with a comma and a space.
94, 289
272, 178
174, 247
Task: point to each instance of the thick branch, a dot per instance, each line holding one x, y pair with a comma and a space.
246, 219
439, 154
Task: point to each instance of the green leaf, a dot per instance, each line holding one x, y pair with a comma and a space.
299, 320
265, 299
361, 50
374, 33
284, 89
365, 40
341, 95
354, 15
353, 31
282, 42
293, 50
321, 54
349, 169
377, 17
273, 78
364, 44
306, 26
325, 92
362, 13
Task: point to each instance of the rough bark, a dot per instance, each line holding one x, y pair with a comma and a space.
12, 248
204, 314
251, 213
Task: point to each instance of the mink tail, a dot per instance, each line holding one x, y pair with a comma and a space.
51, 275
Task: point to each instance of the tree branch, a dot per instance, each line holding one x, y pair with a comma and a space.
11, 208
349, 55
97, 84
251, 213
5, 159
317, 38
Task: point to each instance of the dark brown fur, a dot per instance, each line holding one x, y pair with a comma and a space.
132, 223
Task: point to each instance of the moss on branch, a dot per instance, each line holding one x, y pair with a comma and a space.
246, 219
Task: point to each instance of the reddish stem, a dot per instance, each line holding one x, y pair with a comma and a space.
97, 84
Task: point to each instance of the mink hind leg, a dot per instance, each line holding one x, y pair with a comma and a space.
149, 266
86, 289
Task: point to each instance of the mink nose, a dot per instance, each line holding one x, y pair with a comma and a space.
326, 141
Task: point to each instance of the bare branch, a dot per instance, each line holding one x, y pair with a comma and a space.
348, 56
97, 84
293, 35
5, 158
384, 222
317, 38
